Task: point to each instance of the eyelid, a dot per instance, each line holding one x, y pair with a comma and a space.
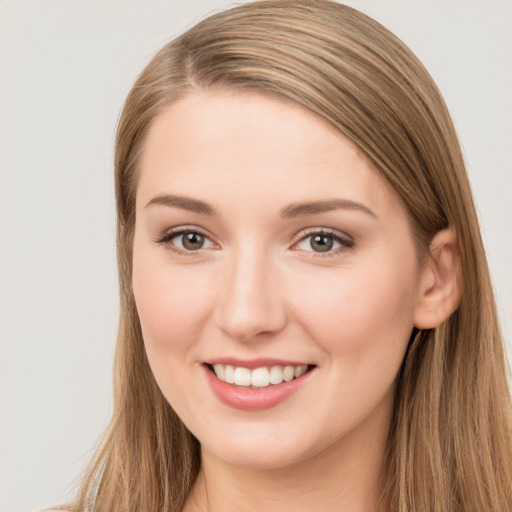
347, 242
166, 237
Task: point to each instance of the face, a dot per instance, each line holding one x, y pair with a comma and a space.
275, 276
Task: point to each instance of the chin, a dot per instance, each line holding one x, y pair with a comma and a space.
273, 449
257, 457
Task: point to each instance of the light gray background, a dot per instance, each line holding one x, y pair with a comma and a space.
66, 67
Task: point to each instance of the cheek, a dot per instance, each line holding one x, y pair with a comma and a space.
361, 319
359, 309
172, 302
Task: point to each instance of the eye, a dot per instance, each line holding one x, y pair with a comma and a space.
191, 241
324, 242
185, 240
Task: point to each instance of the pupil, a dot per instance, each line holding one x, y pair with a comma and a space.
193, 241
321, 243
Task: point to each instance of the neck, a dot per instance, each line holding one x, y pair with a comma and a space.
347, 476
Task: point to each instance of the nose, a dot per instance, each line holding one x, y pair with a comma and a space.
250, 305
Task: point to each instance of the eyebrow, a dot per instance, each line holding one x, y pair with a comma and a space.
185, 203
290, 211
313, 207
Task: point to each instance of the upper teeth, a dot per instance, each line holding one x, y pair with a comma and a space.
259, 377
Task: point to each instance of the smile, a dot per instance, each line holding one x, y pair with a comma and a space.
258, 384
258, 377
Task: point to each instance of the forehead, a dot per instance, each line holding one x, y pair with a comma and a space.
247, 147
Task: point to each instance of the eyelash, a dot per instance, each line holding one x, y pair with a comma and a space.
166, 238
346, 242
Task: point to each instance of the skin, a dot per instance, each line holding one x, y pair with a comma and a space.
257, 288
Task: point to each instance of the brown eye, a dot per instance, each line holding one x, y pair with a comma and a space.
192, 241
324, 242
321, 243
185, 241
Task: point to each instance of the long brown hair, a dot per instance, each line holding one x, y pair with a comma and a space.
449, 447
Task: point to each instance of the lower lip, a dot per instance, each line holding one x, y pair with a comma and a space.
251, 399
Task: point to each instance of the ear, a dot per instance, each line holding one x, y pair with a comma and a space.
440, 286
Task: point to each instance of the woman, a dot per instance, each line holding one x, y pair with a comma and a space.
307, 317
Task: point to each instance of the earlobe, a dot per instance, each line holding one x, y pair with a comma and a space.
440, 281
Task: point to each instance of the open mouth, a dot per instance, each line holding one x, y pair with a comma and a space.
258, 378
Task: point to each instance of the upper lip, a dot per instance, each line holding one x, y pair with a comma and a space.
254, 363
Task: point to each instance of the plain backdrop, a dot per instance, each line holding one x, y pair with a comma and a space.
66, 67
